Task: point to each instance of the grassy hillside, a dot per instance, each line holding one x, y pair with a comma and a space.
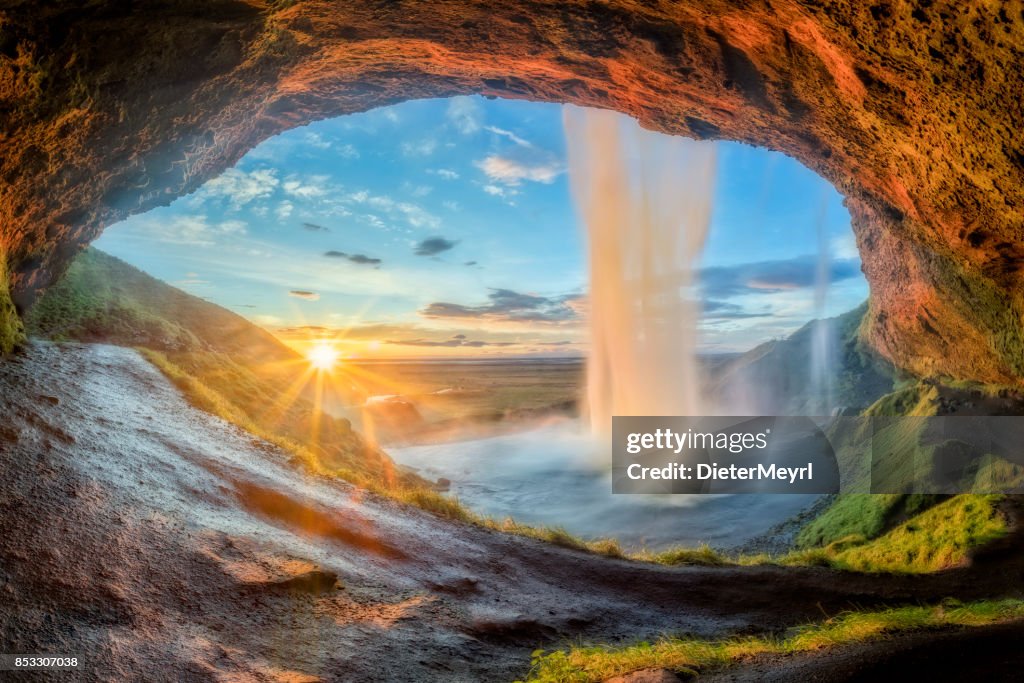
103, 299
223, 363
775, 378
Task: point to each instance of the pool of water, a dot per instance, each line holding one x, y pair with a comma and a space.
559, 475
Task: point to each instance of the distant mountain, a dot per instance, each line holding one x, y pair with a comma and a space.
778, 377
223, 363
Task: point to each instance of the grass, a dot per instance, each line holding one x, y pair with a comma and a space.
938, 538
691, 656
861, 514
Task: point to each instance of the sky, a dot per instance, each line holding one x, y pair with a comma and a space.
447, 227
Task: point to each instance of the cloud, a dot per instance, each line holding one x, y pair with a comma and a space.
512, 169
446, 173
506, 305
360, 259
347, 151
316, 140
419, 148
503, 192
469, 263
284, 210
241, 188
433, 246
510, 135
315, 227
232, 227
455, 341
772, 276
196, 230
311, 188
724, 310
465, 114
304, 294
417, 190
413, 214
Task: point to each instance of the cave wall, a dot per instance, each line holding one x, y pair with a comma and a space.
912, 109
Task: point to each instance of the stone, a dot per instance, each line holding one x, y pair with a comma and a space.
912, 110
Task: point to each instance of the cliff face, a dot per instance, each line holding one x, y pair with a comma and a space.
912, 109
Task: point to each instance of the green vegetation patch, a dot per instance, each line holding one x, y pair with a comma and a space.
938, 538
691, 656
861, 514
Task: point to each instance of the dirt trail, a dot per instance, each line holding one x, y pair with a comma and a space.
163, 544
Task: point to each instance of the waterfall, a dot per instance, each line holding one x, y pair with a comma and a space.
821, 400
645, 199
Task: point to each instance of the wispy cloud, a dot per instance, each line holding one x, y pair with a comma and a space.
189, 230
419, 148
315, 227
510, 135
284, 210
240, 187
316, 141
512, 169
307, 188
413, 214
464, 114
503, 192
304, 294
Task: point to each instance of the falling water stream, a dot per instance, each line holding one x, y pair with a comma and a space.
645, 200
823, 338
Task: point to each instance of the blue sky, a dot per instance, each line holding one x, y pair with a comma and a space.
447, 226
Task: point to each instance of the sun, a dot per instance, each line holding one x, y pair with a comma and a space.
323, 356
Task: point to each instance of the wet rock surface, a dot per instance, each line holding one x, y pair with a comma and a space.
138, 532
911, 109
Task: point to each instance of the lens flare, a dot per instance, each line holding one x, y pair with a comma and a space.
323, 356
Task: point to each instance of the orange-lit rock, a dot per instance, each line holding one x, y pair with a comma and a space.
912, 109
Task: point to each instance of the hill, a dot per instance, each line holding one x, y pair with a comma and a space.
224, 364
777, 377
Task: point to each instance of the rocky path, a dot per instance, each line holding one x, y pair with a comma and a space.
162, 544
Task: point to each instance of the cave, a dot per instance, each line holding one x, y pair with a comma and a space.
907, 108
190, 510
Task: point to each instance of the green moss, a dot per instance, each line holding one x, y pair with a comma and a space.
690, 656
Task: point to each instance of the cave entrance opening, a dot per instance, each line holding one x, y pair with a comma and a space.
422, 273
